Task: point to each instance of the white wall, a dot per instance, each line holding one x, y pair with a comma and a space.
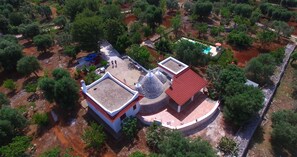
165, 71
116, 125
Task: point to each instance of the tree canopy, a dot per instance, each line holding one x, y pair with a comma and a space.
202, 9
241, 102
140, 54
228, 75
62, 89
88, 31
43, 42
11, 124
28, 65
239, 39
4, 101
17, 147
10, 53
94, 136
284, 133
260, 69
191, 53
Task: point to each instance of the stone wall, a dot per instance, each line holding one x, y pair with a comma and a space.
245, 133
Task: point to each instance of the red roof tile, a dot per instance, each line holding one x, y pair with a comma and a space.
185, 85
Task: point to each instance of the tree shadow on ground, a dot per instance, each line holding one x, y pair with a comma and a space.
258, 137
45, 55
280, 151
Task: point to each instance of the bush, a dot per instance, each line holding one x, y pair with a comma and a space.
137, 154
239, 39
154, 135
103, 63
130, 127
227, 145
70, 51
41, 119
260, 69
284, 133
59, 73
54, 152
278, 55
31, 87
4, 101
94, 136
9, 84
17, 147
91, 77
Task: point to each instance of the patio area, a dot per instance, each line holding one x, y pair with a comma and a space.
124, 69
199, 109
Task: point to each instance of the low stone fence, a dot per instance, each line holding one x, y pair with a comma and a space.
188, 126
245, 133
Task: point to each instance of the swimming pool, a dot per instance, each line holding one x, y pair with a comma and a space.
207, 50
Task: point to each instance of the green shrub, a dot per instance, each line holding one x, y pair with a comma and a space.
4, 101
227, 145
54, 152
278, 55
31, 87
92, 68
103, 63
16, 148
94, 136
9, 84
91, 77
70, 51
41, 119
130, 127
137, 154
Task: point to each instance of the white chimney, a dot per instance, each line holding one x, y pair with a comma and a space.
84, 87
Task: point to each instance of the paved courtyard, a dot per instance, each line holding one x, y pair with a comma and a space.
199, 107
124, 70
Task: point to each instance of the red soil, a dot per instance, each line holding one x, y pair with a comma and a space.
166, 21
293, 24
243, 56
130, 18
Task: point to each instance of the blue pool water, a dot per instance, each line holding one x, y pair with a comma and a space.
207, 50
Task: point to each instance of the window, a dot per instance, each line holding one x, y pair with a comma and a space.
134, 107
123, 116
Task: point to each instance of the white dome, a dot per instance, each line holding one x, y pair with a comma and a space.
152, 87
161, 76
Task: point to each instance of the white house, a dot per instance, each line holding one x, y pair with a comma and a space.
111, 100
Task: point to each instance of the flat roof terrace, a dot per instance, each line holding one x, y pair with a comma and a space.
173, 65
110, 94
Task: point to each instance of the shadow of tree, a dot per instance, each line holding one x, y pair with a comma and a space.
258, 137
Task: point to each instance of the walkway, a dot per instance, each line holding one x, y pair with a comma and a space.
168, 116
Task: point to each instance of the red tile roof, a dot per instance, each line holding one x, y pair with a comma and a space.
118, 115
185, 85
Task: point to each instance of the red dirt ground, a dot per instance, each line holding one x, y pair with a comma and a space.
166, 21
293, 24
157, 57
243, 56
129, 19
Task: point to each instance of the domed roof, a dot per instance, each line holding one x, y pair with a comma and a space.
138, 87
161, 76
152, 87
